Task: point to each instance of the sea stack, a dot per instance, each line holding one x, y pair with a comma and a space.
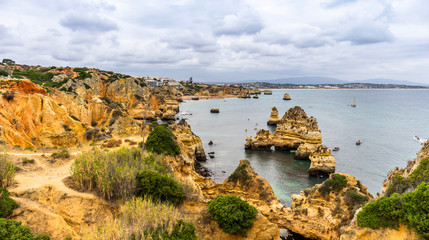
268, 92
286, 96
296, 131
214, 110
274, 118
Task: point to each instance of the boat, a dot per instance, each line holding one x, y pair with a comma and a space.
354, 102
335, 149
358, 142
417, 138
292, 151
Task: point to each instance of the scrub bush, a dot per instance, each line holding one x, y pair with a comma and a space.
160, 141
233, 215
7, 204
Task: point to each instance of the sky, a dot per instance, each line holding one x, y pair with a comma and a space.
223, 40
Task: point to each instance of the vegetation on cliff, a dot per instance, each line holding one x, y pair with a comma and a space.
411, 209
112, 174
334, 182
7, 171
160, 141
13, 230
233, 215
401, 184
159, 187
143, 218
7, 204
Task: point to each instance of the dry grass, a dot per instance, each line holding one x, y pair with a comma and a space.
7, 171
112, 174
137, 217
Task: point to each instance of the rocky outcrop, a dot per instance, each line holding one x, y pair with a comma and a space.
354, 232
296, 130
48, 210
412, 165
274, 117
214, 110
268, 92
322, 162
318, 214
286, 96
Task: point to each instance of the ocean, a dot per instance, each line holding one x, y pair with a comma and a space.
386, 121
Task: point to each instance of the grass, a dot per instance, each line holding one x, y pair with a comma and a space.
140, 217
7, 171
112, 174
63, 154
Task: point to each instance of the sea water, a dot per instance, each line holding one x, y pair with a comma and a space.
386, 121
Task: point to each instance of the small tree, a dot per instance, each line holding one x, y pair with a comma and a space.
8, 61
160, 140
233, 215
7, 204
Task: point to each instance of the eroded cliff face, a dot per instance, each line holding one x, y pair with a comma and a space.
274, 117
318, 214
295, 130
102, 106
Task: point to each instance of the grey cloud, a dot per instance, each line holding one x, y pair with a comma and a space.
68, 55
244, 22
367, 34
196, 41
336, 3
90, 23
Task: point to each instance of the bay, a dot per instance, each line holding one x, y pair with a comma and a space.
386, 122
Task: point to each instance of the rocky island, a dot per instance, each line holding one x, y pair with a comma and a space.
59, 125
296, 131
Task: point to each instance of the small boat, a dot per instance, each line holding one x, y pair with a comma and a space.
354, 102
417, 138
335, 149
358, 142
292, 151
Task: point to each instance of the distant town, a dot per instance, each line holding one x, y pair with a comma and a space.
265, 85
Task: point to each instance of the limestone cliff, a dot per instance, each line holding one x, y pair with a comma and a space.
322, 162
320, 212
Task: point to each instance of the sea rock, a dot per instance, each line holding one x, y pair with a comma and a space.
214, 110
274, 118
319, 215
262, 141
286, 96
322, 162
268, 92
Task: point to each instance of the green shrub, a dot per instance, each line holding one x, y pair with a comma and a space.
400, 184
113, 173
34, 76
354, 198
411, 209
7, 204
13, 230
334, 182
160, 140
8, 96
240, 174
233, 215
63, 154
3, 73
7, 171
159, 187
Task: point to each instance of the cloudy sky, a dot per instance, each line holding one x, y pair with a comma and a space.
223, 40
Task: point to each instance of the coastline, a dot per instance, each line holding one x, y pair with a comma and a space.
185, 98
347, 89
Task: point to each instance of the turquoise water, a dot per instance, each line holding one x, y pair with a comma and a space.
386, 122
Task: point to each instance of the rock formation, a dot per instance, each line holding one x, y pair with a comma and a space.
318, 214
296, 130
268, 92
286, 96
322, 162
214, 110
274, 117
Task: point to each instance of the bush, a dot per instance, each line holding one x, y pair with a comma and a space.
13, 230
400, 184
160, 140
9, 96
142, 218
7, 204
7, 171
233, 215
411, 209
3, 73
334, 182
113, 173
240, 174
63, 154
159, 187
354, 198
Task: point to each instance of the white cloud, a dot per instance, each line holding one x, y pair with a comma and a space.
223, 40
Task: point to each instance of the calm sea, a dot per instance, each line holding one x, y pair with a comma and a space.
386, 122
